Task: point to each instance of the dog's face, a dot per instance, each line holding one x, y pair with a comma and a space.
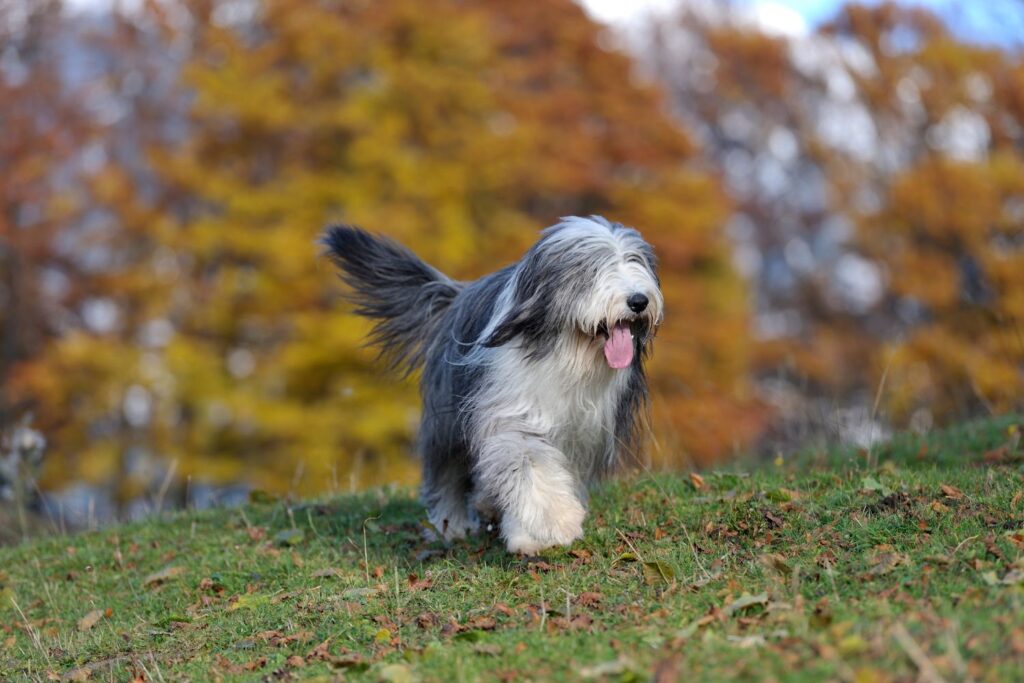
589, 277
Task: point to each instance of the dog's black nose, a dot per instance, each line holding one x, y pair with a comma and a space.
637, 302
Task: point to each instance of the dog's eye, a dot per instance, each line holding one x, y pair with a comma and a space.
638, 260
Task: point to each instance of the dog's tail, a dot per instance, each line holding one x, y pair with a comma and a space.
390, 285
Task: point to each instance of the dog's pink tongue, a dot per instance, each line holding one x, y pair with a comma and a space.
618, 350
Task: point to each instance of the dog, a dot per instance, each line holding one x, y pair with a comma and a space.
533, 381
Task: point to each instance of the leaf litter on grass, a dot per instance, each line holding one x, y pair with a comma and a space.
785, 570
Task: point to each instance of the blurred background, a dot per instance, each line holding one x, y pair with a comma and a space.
836, 194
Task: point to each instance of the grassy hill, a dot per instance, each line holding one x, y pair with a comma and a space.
905, 563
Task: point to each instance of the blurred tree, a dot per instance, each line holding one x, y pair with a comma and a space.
951, 236
827, 143
42, 132
100, 285
459, 128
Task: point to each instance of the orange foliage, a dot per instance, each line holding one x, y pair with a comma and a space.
459, 129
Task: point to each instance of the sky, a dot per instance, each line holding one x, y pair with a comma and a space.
999, 22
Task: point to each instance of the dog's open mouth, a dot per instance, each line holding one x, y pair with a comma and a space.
618, 345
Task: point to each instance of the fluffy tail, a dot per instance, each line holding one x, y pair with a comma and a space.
390, 285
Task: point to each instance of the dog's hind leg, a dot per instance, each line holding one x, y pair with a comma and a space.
530, 484
445, 492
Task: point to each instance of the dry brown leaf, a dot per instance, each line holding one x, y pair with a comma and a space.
504, 609
951, 492
697, 481
426, 620
82, 673
418, 584
90, 620
483, 623
329, 572
255, 664
162, 576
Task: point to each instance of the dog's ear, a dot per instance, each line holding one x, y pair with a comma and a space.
518, 321
527, 314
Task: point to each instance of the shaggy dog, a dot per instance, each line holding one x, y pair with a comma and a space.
533, 381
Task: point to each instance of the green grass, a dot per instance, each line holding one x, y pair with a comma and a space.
823, 566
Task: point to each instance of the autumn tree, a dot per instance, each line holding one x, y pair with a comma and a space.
100, 281
459, 129
833, 145
42, 132
949, 226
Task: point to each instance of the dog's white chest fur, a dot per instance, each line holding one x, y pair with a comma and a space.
569, 398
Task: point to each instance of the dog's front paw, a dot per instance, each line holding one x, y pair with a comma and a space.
556, 525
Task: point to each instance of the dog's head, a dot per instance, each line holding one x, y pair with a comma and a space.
589, 277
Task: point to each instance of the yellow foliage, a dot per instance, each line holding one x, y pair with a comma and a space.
459, 129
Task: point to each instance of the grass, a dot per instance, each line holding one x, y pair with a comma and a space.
818, 567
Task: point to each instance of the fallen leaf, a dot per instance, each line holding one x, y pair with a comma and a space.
607, 669
782, 495
418, 584
656, 572
625, 557
249, 601
329, 572
504, 609
872, 484
483, 623
427, 620
1013, 577
852, 645
744, 601
296, 662
951, 492
82, 673
6, 596
162, 576
697, 481
289, 537
777, 563
669, 670
90, 620
774, 519
255, 664
396, 673
746, 642
886, 562
589, 599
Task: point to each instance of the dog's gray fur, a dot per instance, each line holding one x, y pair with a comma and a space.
520, 410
